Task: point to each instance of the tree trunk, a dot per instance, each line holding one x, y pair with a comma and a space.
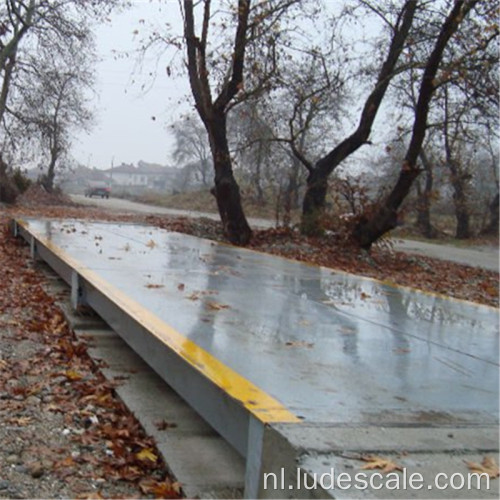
462, 216
204, 172
492, 227
458, 178
227, 191
48, 178
424, 200
386, 217
313, 203
463, 227
290, 196
256, 178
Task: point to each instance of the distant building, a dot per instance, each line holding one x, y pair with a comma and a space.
74, 180
124, 178
144, 176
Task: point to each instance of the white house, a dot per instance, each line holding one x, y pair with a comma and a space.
145, 175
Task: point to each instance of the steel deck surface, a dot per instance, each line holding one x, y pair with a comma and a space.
329, 346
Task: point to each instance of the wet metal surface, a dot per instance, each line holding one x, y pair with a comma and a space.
331, 347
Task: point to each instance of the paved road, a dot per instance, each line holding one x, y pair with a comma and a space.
119, 205
478, 256
486, 257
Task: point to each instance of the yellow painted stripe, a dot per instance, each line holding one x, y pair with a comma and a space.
263, 406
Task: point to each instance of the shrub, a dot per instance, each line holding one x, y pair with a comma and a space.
20, 180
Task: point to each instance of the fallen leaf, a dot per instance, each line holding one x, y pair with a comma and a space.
488, 466
151, 244
161, 489
215, 306
55, 408
491, 291
56, 325
299, 343
153, 285
180, 287
347, 330
163, 425
73, 375
94, 495
147, 454
376, 462
19, 421
66, 462
200, 293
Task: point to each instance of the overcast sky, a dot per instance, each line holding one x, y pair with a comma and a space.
131, 123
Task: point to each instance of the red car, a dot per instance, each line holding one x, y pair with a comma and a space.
102, 191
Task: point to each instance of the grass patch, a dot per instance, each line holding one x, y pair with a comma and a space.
204, 201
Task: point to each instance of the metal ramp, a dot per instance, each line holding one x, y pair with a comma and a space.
277, 355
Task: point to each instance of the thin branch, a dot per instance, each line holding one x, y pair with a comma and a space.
231, 88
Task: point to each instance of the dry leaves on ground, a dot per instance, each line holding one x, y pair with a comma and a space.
377, 462
487, 466
64, 431
424, 273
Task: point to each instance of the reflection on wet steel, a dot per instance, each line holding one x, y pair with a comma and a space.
321, 345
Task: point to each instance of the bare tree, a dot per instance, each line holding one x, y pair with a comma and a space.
373, 226
17, 20
464, 111
213, 111
254, 26
317, 181
38, 40
191, 146
54, 106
